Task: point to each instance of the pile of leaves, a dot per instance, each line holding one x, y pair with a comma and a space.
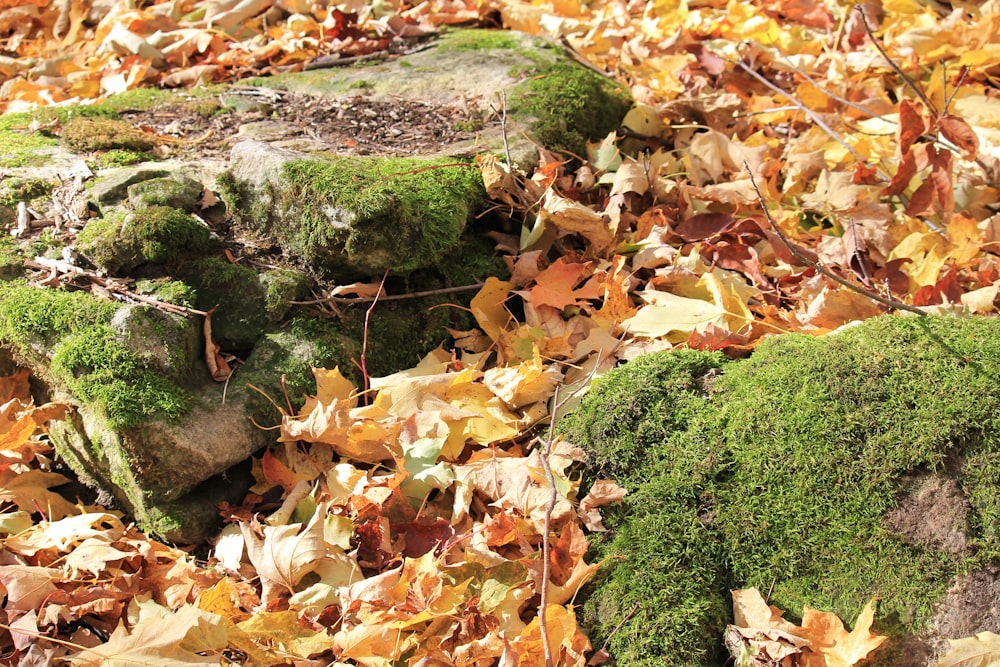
787, 167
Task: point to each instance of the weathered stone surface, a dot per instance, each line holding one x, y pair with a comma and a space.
823, 471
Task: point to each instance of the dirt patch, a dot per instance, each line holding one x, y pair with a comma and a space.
932, 512
345, 126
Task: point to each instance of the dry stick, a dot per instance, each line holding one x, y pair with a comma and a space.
632, 612
547, 526
874, 296
503, 127
364, 339
909, 83
110, 286
551, 480
380, 297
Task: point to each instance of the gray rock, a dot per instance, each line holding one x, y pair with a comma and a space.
177, 191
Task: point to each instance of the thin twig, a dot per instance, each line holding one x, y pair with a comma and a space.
503, 127
874, 296
551, 480
834, 96
892, 64
111, 286
364, 338
630, 614
381, 297
547, 526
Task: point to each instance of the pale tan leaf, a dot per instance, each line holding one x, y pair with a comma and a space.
983, 650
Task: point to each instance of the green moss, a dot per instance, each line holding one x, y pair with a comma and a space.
291, 353
10, 258
347, 215
100, 134
28, 190
170, 291
780, 475
571, 104
157, 234
99, 369
88, 356
280, 287
236, 296
480, 40
118, 157
19, 142
47, 244
663, 561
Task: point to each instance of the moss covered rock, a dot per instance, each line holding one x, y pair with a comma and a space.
161, 235
351, 217
826, 471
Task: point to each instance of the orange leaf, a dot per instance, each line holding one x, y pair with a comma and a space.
216, 363
556, 285
832, 645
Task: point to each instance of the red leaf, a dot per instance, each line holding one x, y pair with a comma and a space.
865, 174
912, 124
704, 225
947, 289
941, 177
904, 174
922, 201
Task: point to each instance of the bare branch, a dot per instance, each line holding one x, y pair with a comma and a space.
874, 296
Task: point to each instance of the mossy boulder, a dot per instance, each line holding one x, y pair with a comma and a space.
176, 191
823, 471
97, 134
352, 217
161, 235
149, 425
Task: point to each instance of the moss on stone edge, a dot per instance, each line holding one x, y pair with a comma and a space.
88, 357
157, 234
660, 554
571, 104
783, 478
100, 134
370, 214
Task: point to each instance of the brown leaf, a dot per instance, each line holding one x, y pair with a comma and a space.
958, 132
913, 124
603, 492
704, 225
217, 364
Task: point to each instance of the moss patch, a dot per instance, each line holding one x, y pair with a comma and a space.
236, 296
20, 144
101, 134
780, 474
571, 104
10, 258
89, 357
157, 234
359, 214
28, 190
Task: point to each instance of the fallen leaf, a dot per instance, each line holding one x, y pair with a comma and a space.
983, 650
